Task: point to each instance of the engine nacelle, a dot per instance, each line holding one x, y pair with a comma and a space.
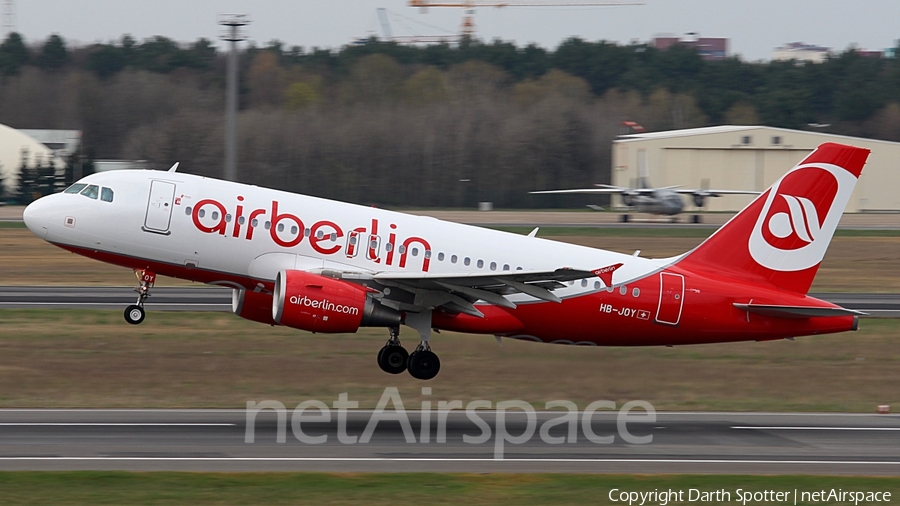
307, 301
253, 306
699, 199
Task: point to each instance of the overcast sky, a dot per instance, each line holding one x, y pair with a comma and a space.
755, 27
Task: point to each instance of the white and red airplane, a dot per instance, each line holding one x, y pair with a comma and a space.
326, 266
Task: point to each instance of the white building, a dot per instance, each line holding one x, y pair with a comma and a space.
800, 52
749, 158
14, 146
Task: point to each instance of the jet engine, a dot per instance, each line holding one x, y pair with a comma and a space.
317, 303
700, 198
252, 306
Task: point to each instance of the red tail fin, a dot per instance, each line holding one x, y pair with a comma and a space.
781, 237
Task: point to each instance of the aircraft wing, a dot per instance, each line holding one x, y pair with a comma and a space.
715, 193
458, 292
611, 190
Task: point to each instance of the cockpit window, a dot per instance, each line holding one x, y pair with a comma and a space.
75, 188
106, 194
91, 191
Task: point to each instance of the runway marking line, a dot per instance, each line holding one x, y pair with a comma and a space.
819, 428
432, 459
112, 424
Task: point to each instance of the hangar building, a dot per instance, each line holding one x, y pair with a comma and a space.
16, 145
748, 158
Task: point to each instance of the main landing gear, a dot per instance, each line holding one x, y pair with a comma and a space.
422, 363
134, 314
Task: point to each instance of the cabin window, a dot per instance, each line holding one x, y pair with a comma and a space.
280, 226
428, 253
215, 215
241, 220
584, 282
91, 192
519, 268
505, 267
636, 292
334, 236
307, 232
267, 225
493, 266
596, 285
415, 252
294, 230
201, 213
623, 290
480, 264
187, 210
75, 188
401, 249
228, 218
387, 247
467, 261
441, 256
453, 259
254, 222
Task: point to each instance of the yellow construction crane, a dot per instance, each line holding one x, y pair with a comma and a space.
468, 25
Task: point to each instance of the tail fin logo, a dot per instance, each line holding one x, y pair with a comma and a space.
799, 217
802, 220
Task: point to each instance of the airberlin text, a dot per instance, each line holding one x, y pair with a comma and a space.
323, 304
289, 230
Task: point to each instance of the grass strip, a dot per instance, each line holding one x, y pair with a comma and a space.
164, 488
90, 358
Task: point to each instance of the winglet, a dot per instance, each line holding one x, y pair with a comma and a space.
174, 167
534, 232
606, 273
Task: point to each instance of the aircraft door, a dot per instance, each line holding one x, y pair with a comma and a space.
159, 207
671, 298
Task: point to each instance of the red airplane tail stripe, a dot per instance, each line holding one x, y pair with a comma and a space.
781, 237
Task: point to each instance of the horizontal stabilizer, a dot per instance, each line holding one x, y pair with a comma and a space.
797, 311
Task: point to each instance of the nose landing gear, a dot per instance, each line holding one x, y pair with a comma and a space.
134, 314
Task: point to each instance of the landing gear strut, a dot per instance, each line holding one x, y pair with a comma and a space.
134, 314
392, 358
422, 364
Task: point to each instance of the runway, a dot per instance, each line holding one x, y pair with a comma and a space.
885, 305
216, 440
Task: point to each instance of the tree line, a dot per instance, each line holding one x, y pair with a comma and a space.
439, 125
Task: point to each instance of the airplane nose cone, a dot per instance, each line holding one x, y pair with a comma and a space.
35, 217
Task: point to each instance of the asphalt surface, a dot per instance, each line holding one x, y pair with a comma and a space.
219, 299
217, 440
